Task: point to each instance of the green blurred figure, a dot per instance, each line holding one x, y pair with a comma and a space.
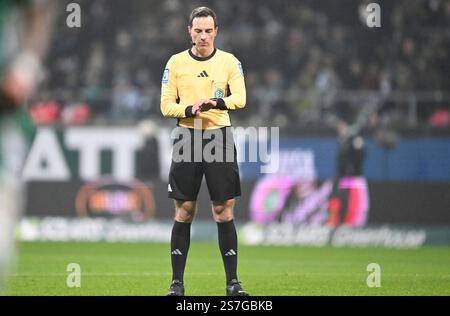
25, 28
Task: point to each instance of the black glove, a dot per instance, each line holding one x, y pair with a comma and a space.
206, 107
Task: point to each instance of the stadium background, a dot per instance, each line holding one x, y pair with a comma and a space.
305, 62
98, 166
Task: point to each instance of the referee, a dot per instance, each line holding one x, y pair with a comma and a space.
199, 86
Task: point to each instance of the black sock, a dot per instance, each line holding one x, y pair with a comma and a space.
228, 248
179, 243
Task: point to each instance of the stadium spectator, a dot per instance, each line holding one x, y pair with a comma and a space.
408, 54
45, 112
76, 114
126, 104
440, 118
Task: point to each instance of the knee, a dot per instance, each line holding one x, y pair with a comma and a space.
223, 211
185, 211
218, 209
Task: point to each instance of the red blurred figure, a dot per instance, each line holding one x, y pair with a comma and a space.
76, 114
440, 118
45, 112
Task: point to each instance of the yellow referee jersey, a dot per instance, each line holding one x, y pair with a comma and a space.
188, 78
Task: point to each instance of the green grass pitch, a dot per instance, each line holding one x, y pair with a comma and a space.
144, 269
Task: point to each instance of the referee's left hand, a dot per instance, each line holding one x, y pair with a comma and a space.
196, 107
208, 105
203, 105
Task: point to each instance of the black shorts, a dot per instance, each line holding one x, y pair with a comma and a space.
212, 154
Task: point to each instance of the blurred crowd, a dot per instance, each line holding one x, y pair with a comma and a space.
300, 58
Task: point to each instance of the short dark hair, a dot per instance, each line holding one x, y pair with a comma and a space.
202, 12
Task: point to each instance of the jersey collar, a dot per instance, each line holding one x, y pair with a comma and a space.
202, 58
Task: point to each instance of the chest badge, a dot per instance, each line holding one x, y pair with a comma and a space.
219, 93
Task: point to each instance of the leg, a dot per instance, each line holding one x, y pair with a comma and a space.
13, 148
10, 209
228, 244
185, 179
222, 179
223, 215
179, 243
181, 237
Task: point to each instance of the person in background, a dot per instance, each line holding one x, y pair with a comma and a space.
349, 202
25, 31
